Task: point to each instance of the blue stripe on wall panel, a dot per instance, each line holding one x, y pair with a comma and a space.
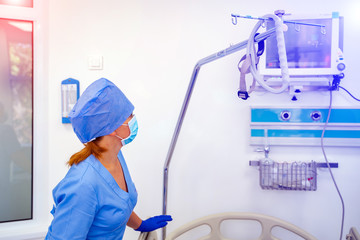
306, 133
303, 115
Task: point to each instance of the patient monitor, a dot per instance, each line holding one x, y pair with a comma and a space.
311, 51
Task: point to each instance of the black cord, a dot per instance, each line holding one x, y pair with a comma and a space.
349, 93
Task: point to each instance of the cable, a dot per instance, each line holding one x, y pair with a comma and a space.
349, 93
328, 165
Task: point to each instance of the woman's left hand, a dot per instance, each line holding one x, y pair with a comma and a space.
154, 223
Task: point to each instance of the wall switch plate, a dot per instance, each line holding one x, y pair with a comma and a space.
95, 62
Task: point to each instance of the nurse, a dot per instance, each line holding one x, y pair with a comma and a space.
96, 198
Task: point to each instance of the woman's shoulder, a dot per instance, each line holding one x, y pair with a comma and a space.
77, 182
76, 188
79, 170
81, 173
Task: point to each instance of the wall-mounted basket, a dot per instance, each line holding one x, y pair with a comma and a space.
289, 176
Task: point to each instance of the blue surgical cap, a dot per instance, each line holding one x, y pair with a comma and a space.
100, 110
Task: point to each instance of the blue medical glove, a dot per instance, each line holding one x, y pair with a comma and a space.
154, 223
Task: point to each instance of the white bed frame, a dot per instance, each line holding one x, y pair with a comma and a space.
214, 221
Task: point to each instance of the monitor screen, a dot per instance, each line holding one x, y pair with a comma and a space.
306, 47
310, 50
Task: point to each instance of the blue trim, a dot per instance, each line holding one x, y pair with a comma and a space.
66, 120
335, 15
306, 133
257, 133
301, 115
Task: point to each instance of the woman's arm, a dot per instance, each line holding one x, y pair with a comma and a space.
134, 221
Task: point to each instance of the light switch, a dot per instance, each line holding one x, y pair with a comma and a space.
95, 62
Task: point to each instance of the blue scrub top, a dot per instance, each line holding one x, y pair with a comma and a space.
89, 204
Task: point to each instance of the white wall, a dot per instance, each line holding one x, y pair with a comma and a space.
149, 50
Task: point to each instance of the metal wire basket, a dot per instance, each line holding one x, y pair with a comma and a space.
288, 176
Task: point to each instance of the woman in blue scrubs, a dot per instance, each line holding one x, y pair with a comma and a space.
96, 198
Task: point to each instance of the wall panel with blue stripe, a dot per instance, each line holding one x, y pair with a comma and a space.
303, 126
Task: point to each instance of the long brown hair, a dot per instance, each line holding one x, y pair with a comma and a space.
90, 148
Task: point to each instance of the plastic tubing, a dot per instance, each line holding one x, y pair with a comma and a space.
281, 51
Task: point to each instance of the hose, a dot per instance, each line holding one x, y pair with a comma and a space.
281, 51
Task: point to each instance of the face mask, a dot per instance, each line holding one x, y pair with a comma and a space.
133, 126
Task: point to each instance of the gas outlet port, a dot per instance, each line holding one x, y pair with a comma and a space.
316, 116
285, 115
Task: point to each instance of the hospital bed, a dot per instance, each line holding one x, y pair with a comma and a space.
353, 234
148, 236
267, 224
214, 222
